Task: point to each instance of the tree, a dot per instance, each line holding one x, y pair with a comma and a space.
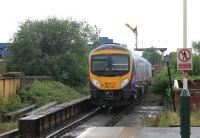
152, 56
196, 46
53, 47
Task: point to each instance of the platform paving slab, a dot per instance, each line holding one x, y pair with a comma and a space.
108, 132
166, 132
130, 132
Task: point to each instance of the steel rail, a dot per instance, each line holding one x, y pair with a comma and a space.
74, 124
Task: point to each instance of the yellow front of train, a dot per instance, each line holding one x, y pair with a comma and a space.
110, 71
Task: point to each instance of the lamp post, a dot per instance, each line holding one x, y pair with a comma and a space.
167, 60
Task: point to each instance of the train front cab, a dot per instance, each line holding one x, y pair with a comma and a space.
110, 77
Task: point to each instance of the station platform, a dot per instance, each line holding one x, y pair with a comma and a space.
129, 132
108, 132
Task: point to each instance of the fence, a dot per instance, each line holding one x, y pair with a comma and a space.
8, 86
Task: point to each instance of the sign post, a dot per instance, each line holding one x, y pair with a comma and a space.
184, 59
184, 63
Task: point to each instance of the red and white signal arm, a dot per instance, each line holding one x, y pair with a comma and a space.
184, 59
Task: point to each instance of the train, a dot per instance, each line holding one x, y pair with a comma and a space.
117, 75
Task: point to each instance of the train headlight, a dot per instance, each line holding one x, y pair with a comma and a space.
124, 83
96, 83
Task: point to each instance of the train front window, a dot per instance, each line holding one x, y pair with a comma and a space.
120, 62
110, 64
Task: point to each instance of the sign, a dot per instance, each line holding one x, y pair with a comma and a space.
184, 59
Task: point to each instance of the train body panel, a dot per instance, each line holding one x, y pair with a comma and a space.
115, 73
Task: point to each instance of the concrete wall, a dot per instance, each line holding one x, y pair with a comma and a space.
8, 86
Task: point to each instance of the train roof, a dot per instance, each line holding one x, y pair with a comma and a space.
119, 47
111, 46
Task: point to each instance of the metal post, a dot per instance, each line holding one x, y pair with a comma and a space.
185, 80
185, 95
185, 114
136, 35
171, 89
184, 23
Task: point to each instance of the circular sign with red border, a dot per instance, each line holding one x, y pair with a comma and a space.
184, 55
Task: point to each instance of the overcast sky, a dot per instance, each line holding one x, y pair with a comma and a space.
159, 21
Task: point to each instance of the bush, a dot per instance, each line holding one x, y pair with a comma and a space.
10, 104
83, 90
47, 91
160, 82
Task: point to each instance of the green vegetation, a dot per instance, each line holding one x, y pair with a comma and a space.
40, 93
2, 67
160, 85
8, 126
10, 104
167, 119
54, 47
47, 91
196, 46
152, 56
160, 82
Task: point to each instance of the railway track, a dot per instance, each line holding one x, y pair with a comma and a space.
117, 116
121, 113
74, 124
61, 119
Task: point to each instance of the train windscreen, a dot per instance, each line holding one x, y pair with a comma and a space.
110, 64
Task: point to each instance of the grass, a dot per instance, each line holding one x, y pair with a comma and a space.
4, 127
168, 118
44, 92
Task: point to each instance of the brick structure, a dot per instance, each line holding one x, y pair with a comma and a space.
194, 89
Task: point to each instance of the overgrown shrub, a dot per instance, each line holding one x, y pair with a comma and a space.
83, 90
160, 82
165, 119
47, 91
10, 104
160, 85
168, 118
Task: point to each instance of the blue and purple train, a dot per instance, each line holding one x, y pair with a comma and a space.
117, 75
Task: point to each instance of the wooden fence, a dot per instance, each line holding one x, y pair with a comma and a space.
8, 86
